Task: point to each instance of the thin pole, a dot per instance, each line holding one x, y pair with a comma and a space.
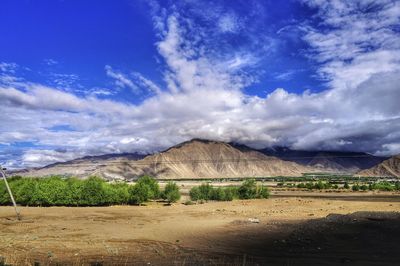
9, 192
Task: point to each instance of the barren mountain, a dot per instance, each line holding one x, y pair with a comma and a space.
81, 167
327, 161
211, 159
205, 159
389, 167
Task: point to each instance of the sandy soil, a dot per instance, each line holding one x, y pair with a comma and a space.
291, 231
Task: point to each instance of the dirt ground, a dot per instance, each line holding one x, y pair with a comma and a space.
287, 229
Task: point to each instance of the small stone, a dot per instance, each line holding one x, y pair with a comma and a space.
254, 220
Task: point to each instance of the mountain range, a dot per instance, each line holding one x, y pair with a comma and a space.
389, 167
200, 158
330, 161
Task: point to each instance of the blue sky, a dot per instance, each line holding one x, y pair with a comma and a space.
81, 38
90, 77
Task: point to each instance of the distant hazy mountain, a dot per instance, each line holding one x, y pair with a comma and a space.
336, 161
81, 167
389, 167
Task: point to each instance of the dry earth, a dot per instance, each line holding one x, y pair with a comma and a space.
291, 231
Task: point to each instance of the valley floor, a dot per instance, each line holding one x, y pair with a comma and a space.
292, 229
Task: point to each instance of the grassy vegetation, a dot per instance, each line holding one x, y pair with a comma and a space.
311, 177
57, 191
381, 185
171, 192
248, 190
318, 185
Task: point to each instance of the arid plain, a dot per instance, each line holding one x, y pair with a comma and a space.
290, 228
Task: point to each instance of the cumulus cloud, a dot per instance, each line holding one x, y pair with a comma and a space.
204, 96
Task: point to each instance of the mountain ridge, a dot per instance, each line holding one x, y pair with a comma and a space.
210, 159
339, 161
387, 168
203, 158
197, 158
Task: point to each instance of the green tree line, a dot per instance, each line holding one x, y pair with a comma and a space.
94, 191
248, 190
382, 186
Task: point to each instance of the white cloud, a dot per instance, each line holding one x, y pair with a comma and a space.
146, 83
229, 23
50, 62
37, 158
355, 40
135, 81
121, 80
287, 75
8, 67
65, 81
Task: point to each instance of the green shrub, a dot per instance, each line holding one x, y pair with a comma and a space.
217, 194
116, 193
92, 192
301, 185
318, 185
384, 186
202, 192
146, 188
152, 184
262, 192
24, 190
138, 193
248, 190
50, 191
74, 191
355, 187
194, 193
205, 191
171, 192
231, 193
4, 197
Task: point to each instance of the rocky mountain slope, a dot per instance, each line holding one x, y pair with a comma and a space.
211, 159
81, 167
206, 159
389, 167
327, 161
192, 159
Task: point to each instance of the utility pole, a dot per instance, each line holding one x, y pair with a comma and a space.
9, 191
